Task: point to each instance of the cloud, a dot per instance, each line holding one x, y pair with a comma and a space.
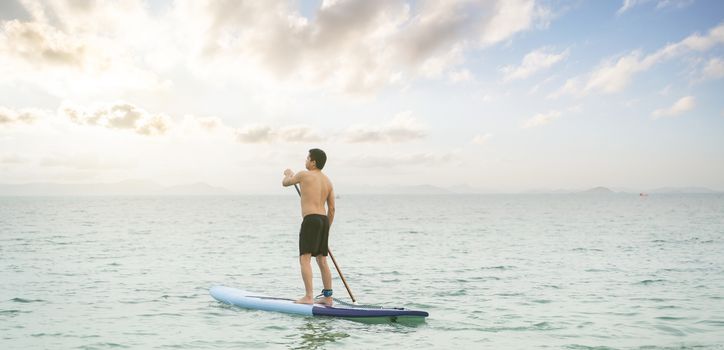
460, 76
209, 123
9, 159
24, 116
356, 46
714, 69
541, 119
402, 128
359, 47
629, 4
533, 62
481, 139
122, 116
613, 75
684, 104
396, 160
267, 134
84, 48
41, 44
673, 3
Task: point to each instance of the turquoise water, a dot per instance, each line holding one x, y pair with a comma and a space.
494, 271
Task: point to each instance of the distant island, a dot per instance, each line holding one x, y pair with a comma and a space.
598, 190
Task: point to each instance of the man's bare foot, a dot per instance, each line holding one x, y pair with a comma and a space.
305, 300
328, 301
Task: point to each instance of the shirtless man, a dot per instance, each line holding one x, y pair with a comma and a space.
313, 235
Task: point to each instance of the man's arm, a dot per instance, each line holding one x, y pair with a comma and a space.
330, 205
290, 178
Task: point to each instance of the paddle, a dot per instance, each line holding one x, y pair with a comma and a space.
339, 271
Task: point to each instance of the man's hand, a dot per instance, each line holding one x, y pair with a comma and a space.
290, 178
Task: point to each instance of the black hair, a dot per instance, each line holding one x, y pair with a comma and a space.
318, 156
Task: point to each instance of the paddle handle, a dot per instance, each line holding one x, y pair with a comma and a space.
339, 271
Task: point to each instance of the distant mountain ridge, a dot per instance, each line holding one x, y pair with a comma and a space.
598, 190
121, 188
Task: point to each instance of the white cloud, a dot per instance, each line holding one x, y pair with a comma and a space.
9, 159
541, 119
73, 49
396, 160
24, 116
255, 134
666, 90
534, 61
714, 69
355, 46
509, 17
267, 134
629, 4
481, 139
209, 123
460, 76
122, 116
673, 3
80, 48
684, 104
613, 75
402, 128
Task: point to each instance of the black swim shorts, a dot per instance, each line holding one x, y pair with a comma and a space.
314, 235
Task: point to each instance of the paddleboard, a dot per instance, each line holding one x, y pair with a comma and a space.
256, 301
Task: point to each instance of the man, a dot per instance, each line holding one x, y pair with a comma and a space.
316, 190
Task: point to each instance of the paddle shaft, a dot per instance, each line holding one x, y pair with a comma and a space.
339, 271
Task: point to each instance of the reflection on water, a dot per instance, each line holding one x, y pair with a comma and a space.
315, 333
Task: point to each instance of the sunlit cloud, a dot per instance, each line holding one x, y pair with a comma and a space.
660, 4
122, 116
84, 48
481, 139
541, 119
356, 46
460, 76
614, 74
268, 134
24, 116
400, 160
682, 105
12, 159
534, 62
714, 69
402, 128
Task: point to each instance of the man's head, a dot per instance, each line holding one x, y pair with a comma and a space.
316, 159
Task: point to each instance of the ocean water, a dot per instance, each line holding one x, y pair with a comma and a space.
493, 271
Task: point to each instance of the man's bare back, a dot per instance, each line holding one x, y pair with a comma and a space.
316, 191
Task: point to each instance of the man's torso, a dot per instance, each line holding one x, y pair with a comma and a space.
315, 188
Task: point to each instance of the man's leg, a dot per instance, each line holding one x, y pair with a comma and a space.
305, 263
326, 276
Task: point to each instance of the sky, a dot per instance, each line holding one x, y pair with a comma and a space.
509, 95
